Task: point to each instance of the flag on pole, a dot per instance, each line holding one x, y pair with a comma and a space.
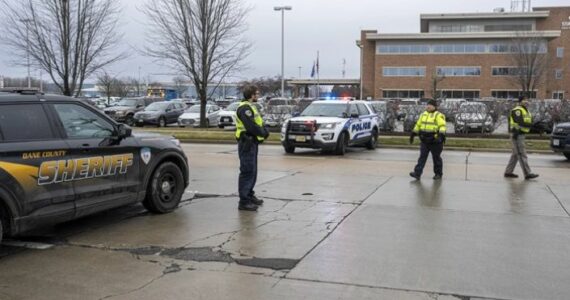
313, 70
318, 63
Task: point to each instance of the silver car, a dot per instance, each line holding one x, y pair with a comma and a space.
191, 117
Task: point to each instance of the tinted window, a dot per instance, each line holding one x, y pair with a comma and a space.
362, 109
79, 122
24, 122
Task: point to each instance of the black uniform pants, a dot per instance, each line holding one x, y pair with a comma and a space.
425, 149
247, 150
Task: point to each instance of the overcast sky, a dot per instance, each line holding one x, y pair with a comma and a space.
328, 26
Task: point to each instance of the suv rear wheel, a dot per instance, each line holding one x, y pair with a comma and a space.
162, 122
165, 189
130, 120
371, 145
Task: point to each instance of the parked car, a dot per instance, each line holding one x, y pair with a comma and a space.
278, 110
386, 115
560, 139
450, 107
474, 117
160, 113
541, 117
403, 106
302, 103
61, 159
124, 111
227, 116
413, 112
191, 117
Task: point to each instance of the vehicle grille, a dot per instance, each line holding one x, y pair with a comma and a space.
187, 121
300, 128
110, 113
562, 131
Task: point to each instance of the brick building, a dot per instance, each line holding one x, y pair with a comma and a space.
472, 51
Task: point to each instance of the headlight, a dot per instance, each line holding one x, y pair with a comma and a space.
326, 126
120, 112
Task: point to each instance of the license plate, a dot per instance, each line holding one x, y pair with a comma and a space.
300, 139
555, 142
473, 126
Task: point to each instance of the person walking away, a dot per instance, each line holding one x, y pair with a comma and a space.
520, 123
431, 128
250, 132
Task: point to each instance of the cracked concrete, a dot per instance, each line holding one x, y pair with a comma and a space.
352, 227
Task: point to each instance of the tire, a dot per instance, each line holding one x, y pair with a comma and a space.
130, 120
341, 144
165, 189
567, 154
162, 122
371, 144
289, 149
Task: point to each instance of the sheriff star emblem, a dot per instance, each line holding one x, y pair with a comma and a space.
518, 113
249, 113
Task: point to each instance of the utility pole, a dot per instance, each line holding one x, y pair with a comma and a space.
343, 68
300, 71
27, 21
282, 9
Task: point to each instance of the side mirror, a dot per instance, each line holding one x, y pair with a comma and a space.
124, 131
354, 116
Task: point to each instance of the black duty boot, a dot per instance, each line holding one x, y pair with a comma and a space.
416, 176
249, 206
256, 200
531, 176
437, 177
511, 175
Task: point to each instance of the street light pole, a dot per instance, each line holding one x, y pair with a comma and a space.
282, 9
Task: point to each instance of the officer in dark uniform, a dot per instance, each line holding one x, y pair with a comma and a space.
431, 127
250, 132
520, 123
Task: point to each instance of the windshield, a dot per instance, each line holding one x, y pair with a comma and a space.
233, 106
380, 107
325, 110
128, 102
277, 102
157, 106
279, 109
194, 109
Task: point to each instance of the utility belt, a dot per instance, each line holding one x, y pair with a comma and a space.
248, 138
429, 137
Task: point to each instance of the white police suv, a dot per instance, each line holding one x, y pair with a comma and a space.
332, 125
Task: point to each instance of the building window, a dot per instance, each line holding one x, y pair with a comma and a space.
460, 94
403, 48
558, 95
514, 48
459, 48
508, 27
511, 94
403, 94
507, 71
459, 71
403, 71
558, 73
560, 52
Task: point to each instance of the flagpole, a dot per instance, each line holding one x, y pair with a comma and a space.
318, 77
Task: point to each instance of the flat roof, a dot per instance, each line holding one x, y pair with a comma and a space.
489, 15
548, 34
324, 81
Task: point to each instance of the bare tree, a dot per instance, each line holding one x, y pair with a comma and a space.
105, 83
529, 56
202, 39
69, 39
436, 78
121, 87
135, 86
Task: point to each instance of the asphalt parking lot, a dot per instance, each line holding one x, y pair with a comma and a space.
352, 227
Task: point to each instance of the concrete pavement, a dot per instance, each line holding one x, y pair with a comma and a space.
352, 227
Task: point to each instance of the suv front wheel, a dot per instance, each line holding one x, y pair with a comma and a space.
165, 189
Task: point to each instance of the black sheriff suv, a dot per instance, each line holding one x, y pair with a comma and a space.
62, 159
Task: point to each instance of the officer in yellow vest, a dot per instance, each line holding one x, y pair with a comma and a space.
250, 132
431, 128
520, 123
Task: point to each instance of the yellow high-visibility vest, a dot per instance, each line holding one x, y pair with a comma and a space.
433, 122
240, 128
527, 119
